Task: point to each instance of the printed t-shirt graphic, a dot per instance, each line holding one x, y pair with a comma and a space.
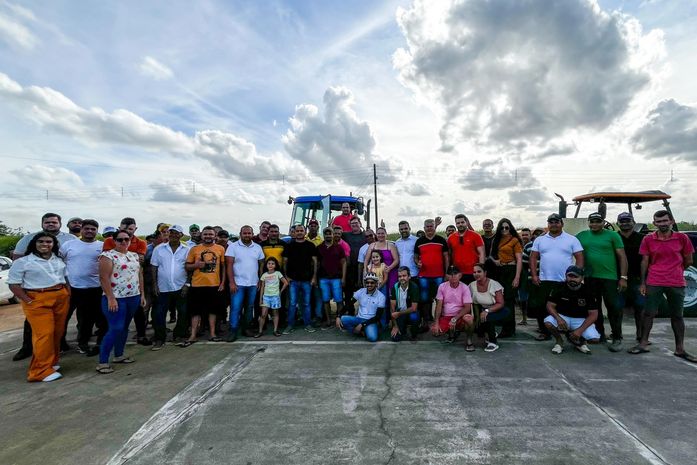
213, 257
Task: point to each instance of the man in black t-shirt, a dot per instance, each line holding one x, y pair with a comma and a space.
300, 264
572, 309
631, 297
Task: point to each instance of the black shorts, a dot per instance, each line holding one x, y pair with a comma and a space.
203, 300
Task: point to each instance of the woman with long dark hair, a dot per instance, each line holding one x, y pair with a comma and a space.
507, 255
38, 281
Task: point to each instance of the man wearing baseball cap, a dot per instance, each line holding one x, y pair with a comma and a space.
631, 297
169, 279
602, 251
554, 252
313, 232
572, 309
371, 304
194, 234
75, 226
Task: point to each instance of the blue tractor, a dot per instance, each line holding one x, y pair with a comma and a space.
324, 208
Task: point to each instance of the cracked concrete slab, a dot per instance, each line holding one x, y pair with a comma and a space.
348, 402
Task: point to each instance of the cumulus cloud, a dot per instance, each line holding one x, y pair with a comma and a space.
495, 174
154, 69
413, 212
473, 208
416, 189
504, 72
16, 34
183, 191
231, 154
670, 131
530, 197
333, 139
47, 177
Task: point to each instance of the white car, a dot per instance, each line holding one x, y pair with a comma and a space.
5, 293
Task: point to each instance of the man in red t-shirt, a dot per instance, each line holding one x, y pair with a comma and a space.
431, 256
466, 248
344, 220
140, 247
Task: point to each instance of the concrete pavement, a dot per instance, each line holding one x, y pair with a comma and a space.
331, 398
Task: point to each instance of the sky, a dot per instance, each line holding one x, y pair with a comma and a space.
215, 112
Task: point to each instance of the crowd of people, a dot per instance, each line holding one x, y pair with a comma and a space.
465, 282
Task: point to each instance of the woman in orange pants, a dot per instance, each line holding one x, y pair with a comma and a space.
38, 281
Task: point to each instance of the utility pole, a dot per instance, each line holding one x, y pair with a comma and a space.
375, 193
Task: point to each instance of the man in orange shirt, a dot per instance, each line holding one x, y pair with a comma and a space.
140, 247
466, 248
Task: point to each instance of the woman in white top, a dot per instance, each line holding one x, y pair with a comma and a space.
487, 296
121, 277
38, 281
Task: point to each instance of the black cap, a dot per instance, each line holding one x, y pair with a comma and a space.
625, 216
595, 216
555, 217
573, 269
452, 269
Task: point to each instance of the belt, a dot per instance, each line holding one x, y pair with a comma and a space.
57, 287
508, 264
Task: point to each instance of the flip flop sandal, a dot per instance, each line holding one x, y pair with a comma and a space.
542, 337
638, 350
186, 343
258, 335
469, 348
687, 357
277, 333
216, 339
105, 370
126, 360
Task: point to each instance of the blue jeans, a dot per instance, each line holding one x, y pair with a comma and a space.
428, 287
119, 321
304, 287
350, 322
244, 294
318, 301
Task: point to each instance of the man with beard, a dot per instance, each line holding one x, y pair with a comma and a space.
405, 248
50, 223
573, 309
344, 220
75, 226
665, 255
82, 261
206, 261
602, 251
466, 248
300, 265
195, 235
631, 297
263, 232
371, 304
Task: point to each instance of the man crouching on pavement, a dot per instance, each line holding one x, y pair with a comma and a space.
573, 309
371, 304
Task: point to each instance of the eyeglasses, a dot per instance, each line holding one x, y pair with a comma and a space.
505, 228
122, 239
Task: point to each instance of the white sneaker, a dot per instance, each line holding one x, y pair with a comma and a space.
557, 349
56, 367
583, 349
490, 347
52, 377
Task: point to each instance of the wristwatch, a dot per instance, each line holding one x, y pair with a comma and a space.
623, 277
486, 310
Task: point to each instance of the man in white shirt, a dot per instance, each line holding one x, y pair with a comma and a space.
244, 262
169, 279
50, 223
82, 260
371, 304
555, 252
405, 246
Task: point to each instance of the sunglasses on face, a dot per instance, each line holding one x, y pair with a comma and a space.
122, 239
505, 228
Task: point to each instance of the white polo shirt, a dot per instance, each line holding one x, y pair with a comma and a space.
82, 260
368, 304
171, 274
33, 272
556, 255
246, 265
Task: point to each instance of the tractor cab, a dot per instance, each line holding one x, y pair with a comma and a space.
633, 201
324, 208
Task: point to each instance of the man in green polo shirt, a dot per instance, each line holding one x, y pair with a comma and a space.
602, 250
